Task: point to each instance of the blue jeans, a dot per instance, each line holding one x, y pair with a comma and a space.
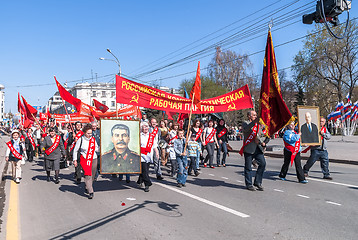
259, 156
222, 147
198, 157
182, 169
316, 154
157, 169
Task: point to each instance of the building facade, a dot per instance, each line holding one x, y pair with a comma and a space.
86, 92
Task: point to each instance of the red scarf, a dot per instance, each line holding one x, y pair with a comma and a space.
211, 135
293, 149
31, 140
250, 138
54, 145
13, 150
198, 134
78, 135
150, 142
86, 163
324, 129
222, 132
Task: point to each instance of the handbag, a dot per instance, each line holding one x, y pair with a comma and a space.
63, 163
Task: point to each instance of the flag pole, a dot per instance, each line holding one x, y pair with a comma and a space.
37, 122
69, 118
191, 112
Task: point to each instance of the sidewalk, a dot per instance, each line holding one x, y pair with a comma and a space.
340, 150
3, 140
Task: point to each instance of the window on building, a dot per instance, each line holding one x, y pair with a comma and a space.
113, 103
94, 94
104, 102
103, 93
113, 93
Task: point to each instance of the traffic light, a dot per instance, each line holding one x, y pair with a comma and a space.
331, 10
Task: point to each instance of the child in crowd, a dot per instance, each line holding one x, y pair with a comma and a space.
193, 150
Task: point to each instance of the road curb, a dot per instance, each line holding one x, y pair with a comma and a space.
277, 155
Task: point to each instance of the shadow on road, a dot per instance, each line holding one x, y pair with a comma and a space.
100, 222
213, 183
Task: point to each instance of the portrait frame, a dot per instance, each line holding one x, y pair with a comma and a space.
310, 137
112, 161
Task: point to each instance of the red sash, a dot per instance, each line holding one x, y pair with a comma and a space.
222, 132
324, 129
31, 140
250, 138
78, 135
293, 149
171, 141
198, 134
86, 163
66, 143
54, 145
211, 135
13, 150
150, 142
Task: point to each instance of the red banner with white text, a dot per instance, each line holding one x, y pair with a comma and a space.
129, 92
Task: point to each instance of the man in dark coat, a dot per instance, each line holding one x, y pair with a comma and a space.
120, 159
309, 130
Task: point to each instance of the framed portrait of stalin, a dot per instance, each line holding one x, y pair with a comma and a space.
120, 146
309, 125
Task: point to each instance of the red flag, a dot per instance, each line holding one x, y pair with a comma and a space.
274, 114
42, 116
94, 114
30, 111
196, 90
68, 97
48, 115
100, 106
170, 115
20, 106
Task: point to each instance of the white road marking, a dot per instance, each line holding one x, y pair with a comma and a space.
334, 203
303, 196
239, 181
224, 178
336, 183
229, 210
210, 174
278, 190
131, 199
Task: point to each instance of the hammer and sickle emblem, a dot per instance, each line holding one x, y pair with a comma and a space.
231, 107
135, 99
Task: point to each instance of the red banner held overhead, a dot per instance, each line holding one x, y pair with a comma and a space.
129, 92
274, 114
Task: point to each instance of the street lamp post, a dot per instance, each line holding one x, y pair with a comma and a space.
119, 68
116, 61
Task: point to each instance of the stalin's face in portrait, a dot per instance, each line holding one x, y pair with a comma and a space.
120, 138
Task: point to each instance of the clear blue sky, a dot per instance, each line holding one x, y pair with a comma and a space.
40, 39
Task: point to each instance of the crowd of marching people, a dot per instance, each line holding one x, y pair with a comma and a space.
165, 146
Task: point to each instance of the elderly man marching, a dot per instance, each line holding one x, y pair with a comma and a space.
253, 148
14, 155
320, 152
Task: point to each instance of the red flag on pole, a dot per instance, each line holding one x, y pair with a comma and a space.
20, 106
68, 97
100, 106
274, 114
196, 90
30, 111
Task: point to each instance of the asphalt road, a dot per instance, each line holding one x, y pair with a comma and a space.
214, 205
